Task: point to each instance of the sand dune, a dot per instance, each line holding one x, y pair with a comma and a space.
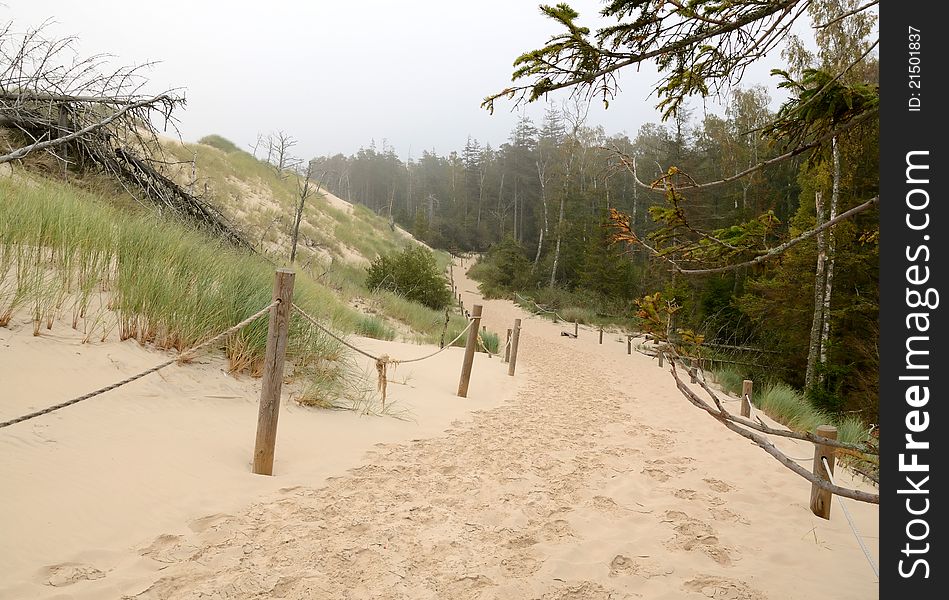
586, 476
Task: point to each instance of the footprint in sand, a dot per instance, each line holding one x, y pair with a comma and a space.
554, 531
709, 499
718, 485
657, 474
169, 548
468, 586
721, 588
521, 541
661, 441
205, 523
723, 514
584, 590
520, 565
694, 534
610, 507
624, 565
65, 574
676, 464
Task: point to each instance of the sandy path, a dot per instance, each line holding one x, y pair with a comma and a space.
598, 480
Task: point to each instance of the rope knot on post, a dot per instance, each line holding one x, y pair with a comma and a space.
381, 364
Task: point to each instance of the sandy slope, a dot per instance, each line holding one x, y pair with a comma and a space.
595, 480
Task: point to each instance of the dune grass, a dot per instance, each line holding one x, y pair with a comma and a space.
729, 380
67, 255
491, 341
790, 407
102, 263
374, 327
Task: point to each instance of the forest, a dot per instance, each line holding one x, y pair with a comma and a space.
752, 232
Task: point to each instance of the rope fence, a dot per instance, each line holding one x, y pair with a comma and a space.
540, 309
822, 488
187, 354
383, 361
853, 526
281, 309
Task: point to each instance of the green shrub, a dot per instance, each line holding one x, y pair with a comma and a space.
504, 267
216, 141
491, 341
413, 274
374, 327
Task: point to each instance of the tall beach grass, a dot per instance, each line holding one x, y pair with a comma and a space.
70, 256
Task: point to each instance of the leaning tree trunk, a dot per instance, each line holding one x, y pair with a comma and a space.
563, 198
543, 199
553, 270
831, 253
813, 350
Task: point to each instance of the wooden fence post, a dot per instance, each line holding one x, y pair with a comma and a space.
746, 387
515, 337
272, 379
629, 344
820, 498
693, 372
576, 328
601, 334
507, 347
660, 359
470, 346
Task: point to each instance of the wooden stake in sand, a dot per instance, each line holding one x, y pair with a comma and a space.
820, 499
507, 347
470, 346
746, 387
629, 344
576, 328
273, 372
601, 334
515, 337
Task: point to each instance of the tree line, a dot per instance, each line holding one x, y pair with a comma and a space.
752, 228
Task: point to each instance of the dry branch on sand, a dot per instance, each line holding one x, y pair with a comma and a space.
746, 428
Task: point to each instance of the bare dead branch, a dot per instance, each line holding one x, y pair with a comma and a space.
40, 145
728, 421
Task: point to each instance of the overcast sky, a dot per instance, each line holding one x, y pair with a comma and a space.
337, 75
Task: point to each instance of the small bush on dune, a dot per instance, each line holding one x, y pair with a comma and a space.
216, 141
491, 341
413, 274
374, 327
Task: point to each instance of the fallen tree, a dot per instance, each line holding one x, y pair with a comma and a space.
89, 117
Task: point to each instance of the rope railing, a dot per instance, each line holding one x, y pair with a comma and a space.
484, 346
182, 356
853, 526
735, 424
760, 425
383, 361
541, 308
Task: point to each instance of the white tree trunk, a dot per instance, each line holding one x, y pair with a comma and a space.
813, 350
543, 199
563, 198
831, 250
553, 270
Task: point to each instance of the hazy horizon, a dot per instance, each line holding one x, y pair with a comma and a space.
336, 76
